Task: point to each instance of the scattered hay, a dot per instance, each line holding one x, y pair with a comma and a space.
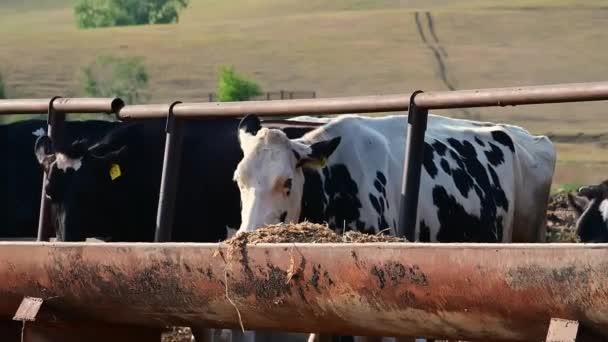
561, 220
178, 334
304, 232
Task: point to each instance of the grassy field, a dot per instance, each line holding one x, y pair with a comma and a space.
339, 47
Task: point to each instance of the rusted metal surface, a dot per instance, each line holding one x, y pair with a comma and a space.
490, 97
360, 104
62, 105
28, 309
456, 291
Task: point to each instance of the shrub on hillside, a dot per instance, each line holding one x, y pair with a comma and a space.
234, 87
110, 76
104, 13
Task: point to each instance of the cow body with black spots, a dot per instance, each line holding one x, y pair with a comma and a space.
481, 182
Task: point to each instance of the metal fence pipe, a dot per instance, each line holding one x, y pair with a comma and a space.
89, 105
149, 111
170, 176
556, 93
63, 105
412, 167
55, 128
361, 104
24, 106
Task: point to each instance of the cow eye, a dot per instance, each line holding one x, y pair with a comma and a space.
287, 186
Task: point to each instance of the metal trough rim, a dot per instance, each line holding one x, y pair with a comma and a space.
456, 291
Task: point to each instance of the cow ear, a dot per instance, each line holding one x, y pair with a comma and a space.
319, 153
578, 203
45, 153
250, 124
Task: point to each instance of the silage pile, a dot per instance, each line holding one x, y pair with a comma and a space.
561, 221
305, 232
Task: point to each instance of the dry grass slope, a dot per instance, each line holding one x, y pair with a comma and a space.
341, 47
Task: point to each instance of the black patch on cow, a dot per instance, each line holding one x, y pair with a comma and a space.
296, 154
375, 203
445, 166
283, 216
439, 147
381, 177
378, 185
456, 224
378, 204
338, 193
591, 224
314, 200
425, 233
457, 159
479, 142
427, 161
504, 139
471, 175
495, 155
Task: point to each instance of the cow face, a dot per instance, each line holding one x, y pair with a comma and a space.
78, 182
270, 176
591, 208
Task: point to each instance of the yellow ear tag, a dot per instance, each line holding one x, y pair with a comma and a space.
115, 171
320, 163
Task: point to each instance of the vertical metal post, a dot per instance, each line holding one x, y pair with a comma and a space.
55, 123
282, 94
169, 179
414, 150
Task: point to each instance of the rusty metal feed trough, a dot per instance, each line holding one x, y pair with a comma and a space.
506, 292
467, 291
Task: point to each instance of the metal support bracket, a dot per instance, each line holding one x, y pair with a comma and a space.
55, 123
414, 153
169, 179
562, 330
28, 309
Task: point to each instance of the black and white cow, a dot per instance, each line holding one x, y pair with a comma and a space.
20, 175
109, 188
481, 182
591, 208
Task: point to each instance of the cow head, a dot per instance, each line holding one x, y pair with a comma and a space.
270, 177
590, 205
78, 177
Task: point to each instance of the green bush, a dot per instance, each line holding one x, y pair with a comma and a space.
2, 91
104, 13
234, 87
111, 76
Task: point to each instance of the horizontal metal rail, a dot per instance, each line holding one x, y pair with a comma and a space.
490, 97
61, 105
455, 291
360, 104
